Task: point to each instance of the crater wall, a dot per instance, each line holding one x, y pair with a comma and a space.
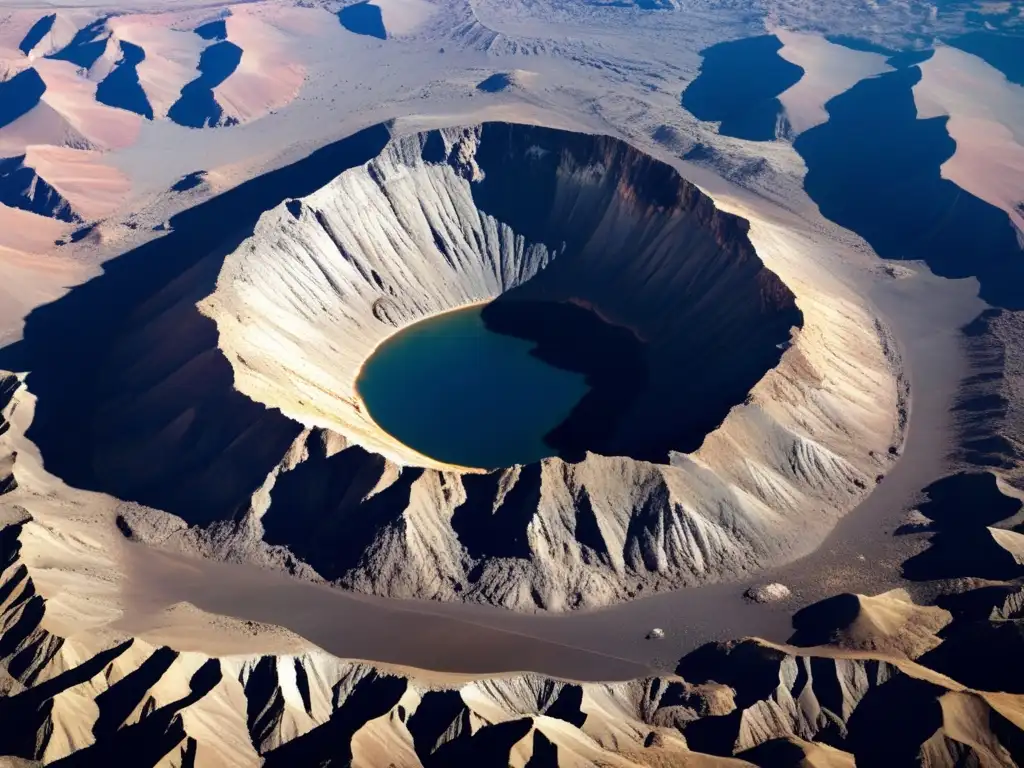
744, 451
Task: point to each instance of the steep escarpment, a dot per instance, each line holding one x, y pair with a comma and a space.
988, 414
227, 398
438, 221
444, 223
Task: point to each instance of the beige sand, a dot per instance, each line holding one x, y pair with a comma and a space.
986, 119
829, 70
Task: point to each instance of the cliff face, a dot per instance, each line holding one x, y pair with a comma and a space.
242, 418
190, 688
521, 213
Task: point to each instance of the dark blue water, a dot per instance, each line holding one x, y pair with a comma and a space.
19, 95
38, 31
1003, 52
874, 168
455, 391
121, 88
738, 85
363, 19
197, 107
213, 30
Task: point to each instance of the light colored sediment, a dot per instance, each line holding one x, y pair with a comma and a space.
889, 622
829, 70
404, 17
986, 120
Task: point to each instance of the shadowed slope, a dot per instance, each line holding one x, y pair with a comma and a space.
121, 88
738, 85
38, 31
198, 107
22, 187
213, 412
19, 95
363, 19
874, 168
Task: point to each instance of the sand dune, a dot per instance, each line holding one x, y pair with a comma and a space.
171, 55
32, 275
98, 71
505, 81
69, 184
20, 92
268, 77
889, 622
386, 19
72, 97
986, 119
829, 70
37, 34
404, 17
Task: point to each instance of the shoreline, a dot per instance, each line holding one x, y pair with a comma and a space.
362, 408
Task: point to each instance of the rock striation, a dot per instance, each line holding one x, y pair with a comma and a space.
750, 439
90, 694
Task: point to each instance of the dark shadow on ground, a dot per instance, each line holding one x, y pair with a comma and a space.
962, 508
325, 510
86, 46
19, 95
1004, 52
21, 187
967, 500
121, 88
38, 31
495, 83
197, 106
189, 181
363, 19
874, 168
738, 84
213, 30
69, 350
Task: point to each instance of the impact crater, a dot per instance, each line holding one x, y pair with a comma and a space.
720, 428
606, 260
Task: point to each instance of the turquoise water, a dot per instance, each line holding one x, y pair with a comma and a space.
455, 391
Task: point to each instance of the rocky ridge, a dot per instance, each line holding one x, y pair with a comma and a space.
787, 459
94, 695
